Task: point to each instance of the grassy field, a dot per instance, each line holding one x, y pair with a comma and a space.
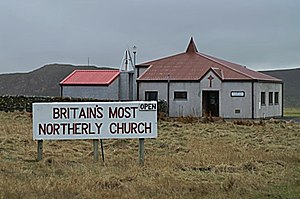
292, 112
187, 160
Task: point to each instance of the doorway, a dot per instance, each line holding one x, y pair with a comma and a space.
210, 103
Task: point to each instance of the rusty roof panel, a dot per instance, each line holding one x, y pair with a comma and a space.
192, 65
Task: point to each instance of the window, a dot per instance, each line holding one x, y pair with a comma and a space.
180, 95
276, 97
151, 95
270, 98
263, 98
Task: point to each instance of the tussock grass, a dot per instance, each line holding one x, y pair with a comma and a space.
189, 159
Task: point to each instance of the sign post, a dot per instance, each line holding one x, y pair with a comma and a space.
141, 151
95, 120
102, 150
40, 150
95, 149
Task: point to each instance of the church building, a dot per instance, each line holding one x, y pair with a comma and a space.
196, 84
191, 83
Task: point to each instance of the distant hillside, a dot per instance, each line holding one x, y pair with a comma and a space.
41, 82
291, 80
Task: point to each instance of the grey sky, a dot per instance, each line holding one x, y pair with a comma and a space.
261, 34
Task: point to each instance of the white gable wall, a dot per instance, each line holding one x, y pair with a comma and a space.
230, 107
216, 85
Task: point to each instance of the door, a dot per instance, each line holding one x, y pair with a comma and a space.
210, 103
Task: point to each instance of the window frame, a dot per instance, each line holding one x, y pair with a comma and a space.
263, 98
271, 98
184, 96
147, 93
276, 98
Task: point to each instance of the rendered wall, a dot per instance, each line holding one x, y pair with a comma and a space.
267, 110
229, 106
124, 86
161, 87
181, 107
98, 92
189, 107
236, 107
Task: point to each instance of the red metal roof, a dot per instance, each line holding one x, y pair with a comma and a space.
91, 77
193, 65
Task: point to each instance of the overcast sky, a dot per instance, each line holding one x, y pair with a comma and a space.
261, 34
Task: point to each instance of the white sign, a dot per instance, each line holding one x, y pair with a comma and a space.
237, 94
94, 120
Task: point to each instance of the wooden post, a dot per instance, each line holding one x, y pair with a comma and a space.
102, 149
40, 150
141, 151
95, 149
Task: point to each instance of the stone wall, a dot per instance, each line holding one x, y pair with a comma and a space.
24, 103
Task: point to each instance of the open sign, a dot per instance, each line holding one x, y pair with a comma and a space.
151, 106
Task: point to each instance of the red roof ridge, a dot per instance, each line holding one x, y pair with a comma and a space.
211, 58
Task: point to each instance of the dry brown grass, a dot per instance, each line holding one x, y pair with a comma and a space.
189, 159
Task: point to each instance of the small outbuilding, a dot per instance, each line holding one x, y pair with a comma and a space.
98, 84
196, 84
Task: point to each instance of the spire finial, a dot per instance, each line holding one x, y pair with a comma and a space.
191, 47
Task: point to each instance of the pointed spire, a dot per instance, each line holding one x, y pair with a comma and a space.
191, 47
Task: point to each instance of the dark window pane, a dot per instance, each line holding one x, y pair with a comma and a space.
263, 98
276, 97
270, 98
151, 95
180, 95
